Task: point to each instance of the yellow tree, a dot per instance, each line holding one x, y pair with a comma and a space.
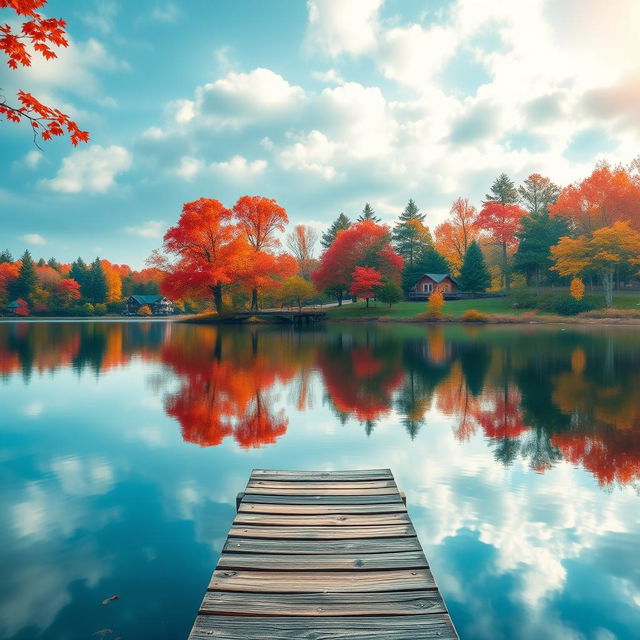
601, 251
454, 236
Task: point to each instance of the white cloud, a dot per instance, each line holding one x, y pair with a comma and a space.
331, 76
238, 168
337, 27
149, 229
32, 159
314, 153
33, 238
189, 168
91, 170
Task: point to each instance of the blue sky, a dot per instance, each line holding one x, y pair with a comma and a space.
322, 105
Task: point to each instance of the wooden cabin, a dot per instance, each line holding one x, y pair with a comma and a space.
159, 305
429, 282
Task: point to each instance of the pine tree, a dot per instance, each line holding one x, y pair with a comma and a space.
410, 236
537, 194
503, 191
25, 284
41, 262
340, 223
369, 214
97, 287
474, 275
429, 261
80, 274
6, 256
538, 233
53, 263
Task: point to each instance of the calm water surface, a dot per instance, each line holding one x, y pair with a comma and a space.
123, 446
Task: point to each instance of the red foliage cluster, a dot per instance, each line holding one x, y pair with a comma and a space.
41, 33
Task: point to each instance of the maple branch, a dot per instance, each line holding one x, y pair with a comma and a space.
20, 114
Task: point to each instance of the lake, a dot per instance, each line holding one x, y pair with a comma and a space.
123, 446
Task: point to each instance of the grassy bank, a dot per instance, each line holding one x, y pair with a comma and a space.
499, 310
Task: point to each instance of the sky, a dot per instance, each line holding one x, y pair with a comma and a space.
323, 105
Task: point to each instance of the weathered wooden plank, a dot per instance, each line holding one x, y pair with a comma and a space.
406, 603
306, 547
432, 627
314, 499
304, 476
332, 491
310, 509
327, 562
320, 520
337, 484
323, 533
321, 581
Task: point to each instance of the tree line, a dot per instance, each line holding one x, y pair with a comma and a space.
536, 233
52, 287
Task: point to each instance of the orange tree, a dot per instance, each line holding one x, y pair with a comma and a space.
608, 195
259, 219
454, 236
41, 34
601, 251
209, 249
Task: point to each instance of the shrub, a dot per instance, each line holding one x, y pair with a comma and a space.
624, 314
100, 309
576, 289
145, 310
436, 302
473, 315
87, 309
555, 302
390, 293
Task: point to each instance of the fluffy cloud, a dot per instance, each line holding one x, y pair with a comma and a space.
149, 229
33, 238
314, 154
90, 170
238, 99
340, 27
239, 168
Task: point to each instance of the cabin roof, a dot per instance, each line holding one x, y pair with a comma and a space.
150, 299
439, 277
13, 305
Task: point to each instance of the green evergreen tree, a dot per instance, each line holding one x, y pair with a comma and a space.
340, 223
390, 293
6, 256
503, 191
474, 275
41, 262
80, 274
97, 283
25, 283
54, 264
538, 233
410, 236
368, 214
429, 261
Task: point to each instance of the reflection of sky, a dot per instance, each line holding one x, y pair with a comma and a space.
101, 496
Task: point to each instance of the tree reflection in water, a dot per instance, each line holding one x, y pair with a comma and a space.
542, 395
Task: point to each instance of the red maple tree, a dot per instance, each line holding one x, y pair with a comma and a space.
41, 34
364, 243
363, 282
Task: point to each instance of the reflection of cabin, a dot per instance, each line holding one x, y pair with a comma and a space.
159, 305
429, 282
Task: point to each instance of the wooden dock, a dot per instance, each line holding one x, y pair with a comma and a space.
322, 556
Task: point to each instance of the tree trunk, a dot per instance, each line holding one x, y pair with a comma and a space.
339, 297
505, 268
367, 299
254, 300
607, 283
217, 296
537, 279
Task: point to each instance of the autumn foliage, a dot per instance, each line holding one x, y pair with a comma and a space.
42, 34
362, 244
364, 281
